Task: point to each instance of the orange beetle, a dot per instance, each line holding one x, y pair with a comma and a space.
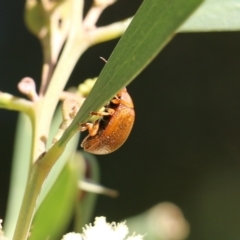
109, 132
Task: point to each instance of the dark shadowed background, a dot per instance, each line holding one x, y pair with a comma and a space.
185, 144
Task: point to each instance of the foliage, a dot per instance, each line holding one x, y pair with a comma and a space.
52, 159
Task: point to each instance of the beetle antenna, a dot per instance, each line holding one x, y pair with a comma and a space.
103, 59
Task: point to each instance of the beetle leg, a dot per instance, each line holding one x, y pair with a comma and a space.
100, 114
110, 111
83, 126
91, 127
117, 100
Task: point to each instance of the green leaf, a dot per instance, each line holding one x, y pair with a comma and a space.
85, 206
20, 168
214, 15
21, 161
152, 27
60, 164
54, 214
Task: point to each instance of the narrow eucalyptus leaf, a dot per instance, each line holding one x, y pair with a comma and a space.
54, 214
57, 168
153, 26
214, 15
20, 168
85, 206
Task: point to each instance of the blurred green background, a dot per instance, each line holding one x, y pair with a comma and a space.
184, 146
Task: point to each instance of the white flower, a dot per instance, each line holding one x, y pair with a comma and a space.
72, 236
101, 230
107, 231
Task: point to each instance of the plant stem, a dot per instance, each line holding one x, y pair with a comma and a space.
78, 41
38, 174
8, 101
75, 46
44, 110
